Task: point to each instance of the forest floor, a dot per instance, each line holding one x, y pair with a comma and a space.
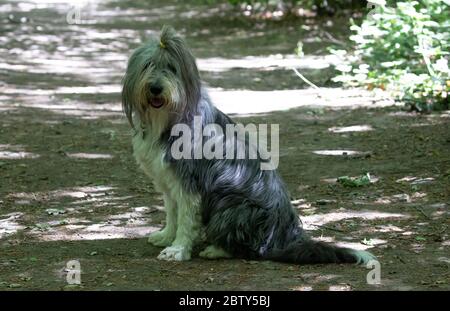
71, 190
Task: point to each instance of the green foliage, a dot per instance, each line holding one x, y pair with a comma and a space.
403, 49
354, 182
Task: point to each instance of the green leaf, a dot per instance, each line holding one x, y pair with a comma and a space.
367, 242
354, 182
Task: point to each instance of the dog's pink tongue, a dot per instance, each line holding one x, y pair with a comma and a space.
157, 102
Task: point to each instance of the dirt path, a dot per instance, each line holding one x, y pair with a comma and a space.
70, 189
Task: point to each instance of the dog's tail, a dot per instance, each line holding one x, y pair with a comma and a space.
303, 250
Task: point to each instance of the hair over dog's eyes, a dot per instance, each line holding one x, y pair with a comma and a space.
172, 68
146, 66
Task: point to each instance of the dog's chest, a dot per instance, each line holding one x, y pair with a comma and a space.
150, 156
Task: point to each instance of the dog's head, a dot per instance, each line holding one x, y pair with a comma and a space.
161, 77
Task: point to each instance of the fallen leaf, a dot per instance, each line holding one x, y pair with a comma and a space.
367, 242
55, 211
354, 181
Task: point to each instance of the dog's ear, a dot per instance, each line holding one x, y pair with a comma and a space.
178, 53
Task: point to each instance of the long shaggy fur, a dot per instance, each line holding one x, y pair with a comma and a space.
243, 210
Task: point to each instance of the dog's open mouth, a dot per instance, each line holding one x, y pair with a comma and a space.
156, 102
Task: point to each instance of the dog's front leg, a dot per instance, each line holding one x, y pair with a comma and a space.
188, 229
166, 236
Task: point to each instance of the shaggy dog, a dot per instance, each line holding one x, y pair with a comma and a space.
241, 210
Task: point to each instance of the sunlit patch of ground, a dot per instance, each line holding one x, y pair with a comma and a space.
69, 220
267, 62
353, 128
337, 152
9, 224
322, 219
249, 102
9, 152
77, 192
89, 156
94, 232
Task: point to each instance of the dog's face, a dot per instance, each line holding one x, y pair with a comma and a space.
161, 77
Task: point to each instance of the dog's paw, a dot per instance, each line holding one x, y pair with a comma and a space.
175, 253
363, 257
214, 252
161, 238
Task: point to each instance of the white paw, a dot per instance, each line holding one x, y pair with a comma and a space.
363, 257
161, 238
175, 253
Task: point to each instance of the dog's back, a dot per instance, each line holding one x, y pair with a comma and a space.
246, 210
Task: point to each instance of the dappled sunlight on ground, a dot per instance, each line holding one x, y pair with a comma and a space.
100, 89
81, 68
359, 245
303, 288
315, 281
353, 128
76, 192
374, 242
337, 152
68, 219
67, 172
373, 179
301, 204
218, 64
253, 102
84, 59
340, 288
416, 180
311, 221
97, 231
89, 156
102, 200
9, 224
400, 198
11, 152
386, 228
65, 107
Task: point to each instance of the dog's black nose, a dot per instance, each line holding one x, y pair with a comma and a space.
156, 89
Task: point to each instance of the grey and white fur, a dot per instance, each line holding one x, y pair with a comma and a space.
243, 211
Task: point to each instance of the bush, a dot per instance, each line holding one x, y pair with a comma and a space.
402, 49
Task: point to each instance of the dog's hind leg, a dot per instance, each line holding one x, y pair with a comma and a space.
188, 228
166, 236
214, 252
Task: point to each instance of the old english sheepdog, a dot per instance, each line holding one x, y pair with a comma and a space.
238, 208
